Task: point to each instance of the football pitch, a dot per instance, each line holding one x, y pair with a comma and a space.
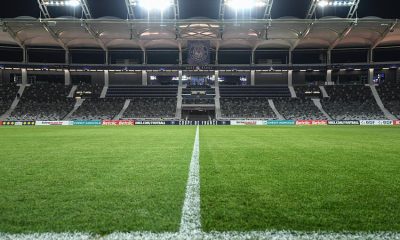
103, 180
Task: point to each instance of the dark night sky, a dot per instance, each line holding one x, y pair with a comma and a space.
200, 8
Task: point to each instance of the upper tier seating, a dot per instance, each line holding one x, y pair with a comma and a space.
8, 92
43, 102
390, 95
351, 102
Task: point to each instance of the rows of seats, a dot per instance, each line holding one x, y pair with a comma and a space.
390, 95
8, 92
98, 109
151, 108
351, 102
43, 102
249, 108
298, 109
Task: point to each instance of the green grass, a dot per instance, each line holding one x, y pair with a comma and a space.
93, 179
300, 178
106, 179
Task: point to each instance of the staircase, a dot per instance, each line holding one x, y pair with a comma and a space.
121, 113
14, 103
378, 100
317, 103
272, 105
78, 103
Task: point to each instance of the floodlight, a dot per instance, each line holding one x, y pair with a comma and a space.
323, 3
159, 5
245, 4
336, 3
61, 3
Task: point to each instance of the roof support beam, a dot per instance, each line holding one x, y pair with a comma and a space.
221, 14
85, 9
94, 35
385, 33
54, 35
311, 9
176, 9
131, 9
268, 9
342, 35
353, 9
43, 9
13, 35
302, 36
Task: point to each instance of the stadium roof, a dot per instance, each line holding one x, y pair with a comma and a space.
251, 31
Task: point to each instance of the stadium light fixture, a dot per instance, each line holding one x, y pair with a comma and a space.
330, 3
245, 4
159, 5
62, 3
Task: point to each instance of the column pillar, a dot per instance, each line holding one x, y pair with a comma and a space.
329, 57
290, 78
67, 77
216, 74
144, 78
180, 74
24, 75
371, 72
106, 78
252, 77
67, 56
329, 77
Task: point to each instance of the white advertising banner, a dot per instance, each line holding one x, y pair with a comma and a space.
376, 122
247, 122
54, 123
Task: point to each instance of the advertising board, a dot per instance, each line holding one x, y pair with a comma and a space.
118, 122
54, 123
87, 123
311, 122
280, 122
19, 123
376, 122
343, 122
246, 122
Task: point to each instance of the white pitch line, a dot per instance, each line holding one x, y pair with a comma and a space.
191, 223
191, 220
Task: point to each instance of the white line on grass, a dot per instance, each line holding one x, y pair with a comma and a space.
190, 228
190, 221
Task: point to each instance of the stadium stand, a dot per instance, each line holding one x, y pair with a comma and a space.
390, 95
298, 109
98, 109
43, 102
302, 107
151, 108
246, 107
351, 102
250, 102
8, 93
